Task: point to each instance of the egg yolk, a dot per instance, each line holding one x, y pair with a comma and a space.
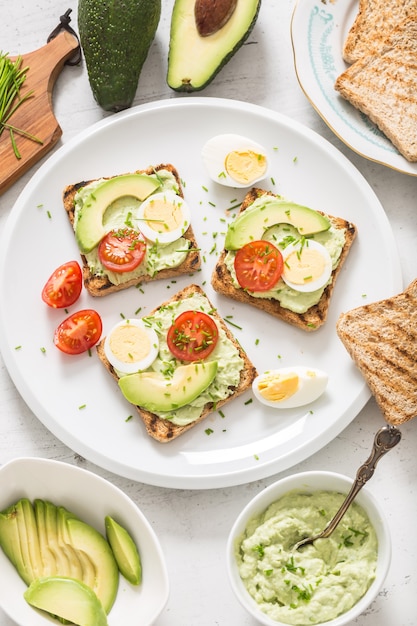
129, 344
164, 216
278, 387
304, 266
245, 166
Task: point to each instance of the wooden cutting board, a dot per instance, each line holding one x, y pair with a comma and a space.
35, 116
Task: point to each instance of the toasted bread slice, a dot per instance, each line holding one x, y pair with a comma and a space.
381, 338
100, 285
375, 20
163, 430
316, 315
383, 85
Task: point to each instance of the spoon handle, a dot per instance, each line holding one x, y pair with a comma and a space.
385, 439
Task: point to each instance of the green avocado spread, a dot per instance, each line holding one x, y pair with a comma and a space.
281, 235
319, 581
230, 363
121, 214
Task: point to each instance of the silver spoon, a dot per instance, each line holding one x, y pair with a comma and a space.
385, 439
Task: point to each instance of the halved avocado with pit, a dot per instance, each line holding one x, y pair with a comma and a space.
195, 59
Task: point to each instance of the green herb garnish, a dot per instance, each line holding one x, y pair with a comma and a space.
12, 77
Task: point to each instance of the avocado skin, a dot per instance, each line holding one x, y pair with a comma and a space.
115, 36
191, 84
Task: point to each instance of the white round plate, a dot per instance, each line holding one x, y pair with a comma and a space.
75, 397
318, 32
91, 498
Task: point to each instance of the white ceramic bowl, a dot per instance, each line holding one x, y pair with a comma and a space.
91, 498
311, 481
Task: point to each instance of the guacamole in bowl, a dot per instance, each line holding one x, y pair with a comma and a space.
328, 582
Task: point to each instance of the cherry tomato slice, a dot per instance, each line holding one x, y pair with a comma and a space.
64, 286
258, 265
192, 336
121, 250
78, 332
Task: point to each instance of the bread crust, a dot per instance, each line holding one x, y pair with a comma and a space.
381, 338
101, 285
316, 315
163, 430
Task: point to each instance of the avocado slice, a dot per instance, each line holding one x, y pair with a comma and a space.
89, 229
250, 225
28, 533
115, 40
154, 392
125, 551
10, 542
47, 556
87, 539
51, 531
68, 599
75, 568
193, 59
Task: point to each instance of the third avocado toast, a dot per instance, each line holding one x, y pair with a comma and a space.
177, 391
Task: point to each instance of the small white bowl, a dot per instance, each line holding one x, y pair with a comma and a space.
91, 498
310, 481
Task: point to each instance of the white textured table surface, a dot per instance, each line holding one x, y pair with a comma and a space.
192, 526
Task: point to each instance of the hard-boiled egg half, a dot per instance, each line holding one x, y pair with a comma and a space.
163, 217
289, 387
307, 265
234, 161
131, 346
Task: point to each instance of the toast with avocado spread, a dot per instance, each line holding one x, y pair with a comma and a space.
95, 209
175, 394
264, 215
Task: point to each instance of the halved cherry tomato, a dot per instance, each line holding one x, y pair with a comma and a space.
258, 265
121, 250
64, 286
192, 336
78, 332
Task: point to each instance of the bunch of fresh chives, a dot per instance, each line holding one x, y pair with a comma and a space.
12, 77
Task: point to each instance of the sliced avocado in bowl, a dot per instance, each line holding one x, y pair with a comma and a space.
194, 57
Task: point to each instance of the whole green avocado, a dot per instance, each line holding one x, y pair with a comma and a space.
115, 37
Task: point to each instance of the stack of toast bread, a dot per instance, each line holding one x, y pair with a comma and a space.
382, 80
381, 338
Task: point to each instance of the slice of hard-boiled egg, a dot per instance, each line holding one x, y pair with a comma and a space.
131, 346
307, 265
234, 161
163, 217
289, 387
